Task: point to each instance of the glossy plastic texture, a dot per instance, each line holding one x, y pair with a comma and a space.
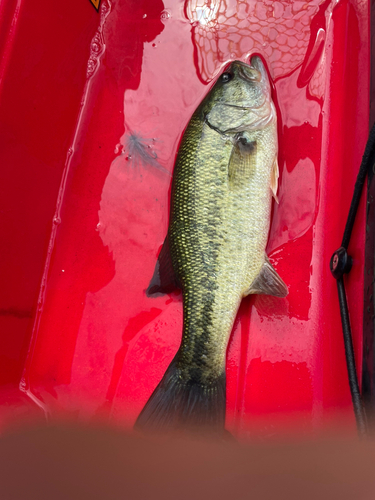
43, 58
100, 346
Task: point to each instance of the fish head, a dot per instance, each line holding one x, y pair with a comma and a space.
240, 99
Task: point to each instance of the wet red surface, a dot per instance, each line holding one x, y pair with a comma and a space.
42, 75
99, 345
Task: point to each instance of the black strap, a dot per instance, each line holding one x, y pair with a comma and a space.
340, 264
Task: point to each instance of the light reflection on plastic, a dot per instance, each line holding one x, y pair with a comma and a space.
203, 12
280, 31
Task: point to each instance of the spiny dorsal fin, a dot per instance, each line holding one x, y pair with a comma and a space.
268, 282
275, 179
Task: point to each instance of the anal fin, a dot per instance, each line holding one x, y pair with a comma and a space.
164, 279
268, 282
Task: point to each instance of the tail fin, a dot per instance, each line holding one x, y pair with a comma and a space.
178, 404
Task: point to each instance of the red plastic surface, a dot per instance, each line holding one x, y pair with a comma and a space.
43, 57
99, 345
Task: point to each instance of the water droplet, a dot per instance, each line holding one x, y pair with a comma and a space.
154, 44
91, 66
98, 226
95, 47
165, 15
119, 148
144, 16
56, 220
69, 153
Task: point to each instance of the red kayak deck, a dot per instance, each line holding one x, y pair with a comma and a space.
98, 102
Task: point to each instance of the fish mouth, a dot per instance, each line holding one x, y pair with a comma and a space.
257, 63
247, 72
253, 72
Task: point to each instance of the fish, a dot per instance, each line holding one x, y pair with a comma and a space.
225, 176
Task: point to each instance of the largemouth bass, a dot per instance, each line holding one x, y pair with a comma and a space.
225, 175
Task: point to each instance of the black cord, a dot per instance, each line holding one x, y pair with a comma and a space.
367, 163
341, 263
358, 407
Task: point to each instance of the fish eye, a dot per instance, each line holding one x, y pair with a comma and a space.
226, 77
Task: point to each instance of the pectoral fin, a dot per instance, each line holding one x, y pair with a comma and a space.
275, 179
268, 282
164, 279
242, 160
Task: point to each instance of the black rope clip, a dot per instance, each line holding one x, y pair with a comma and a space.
341, 263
